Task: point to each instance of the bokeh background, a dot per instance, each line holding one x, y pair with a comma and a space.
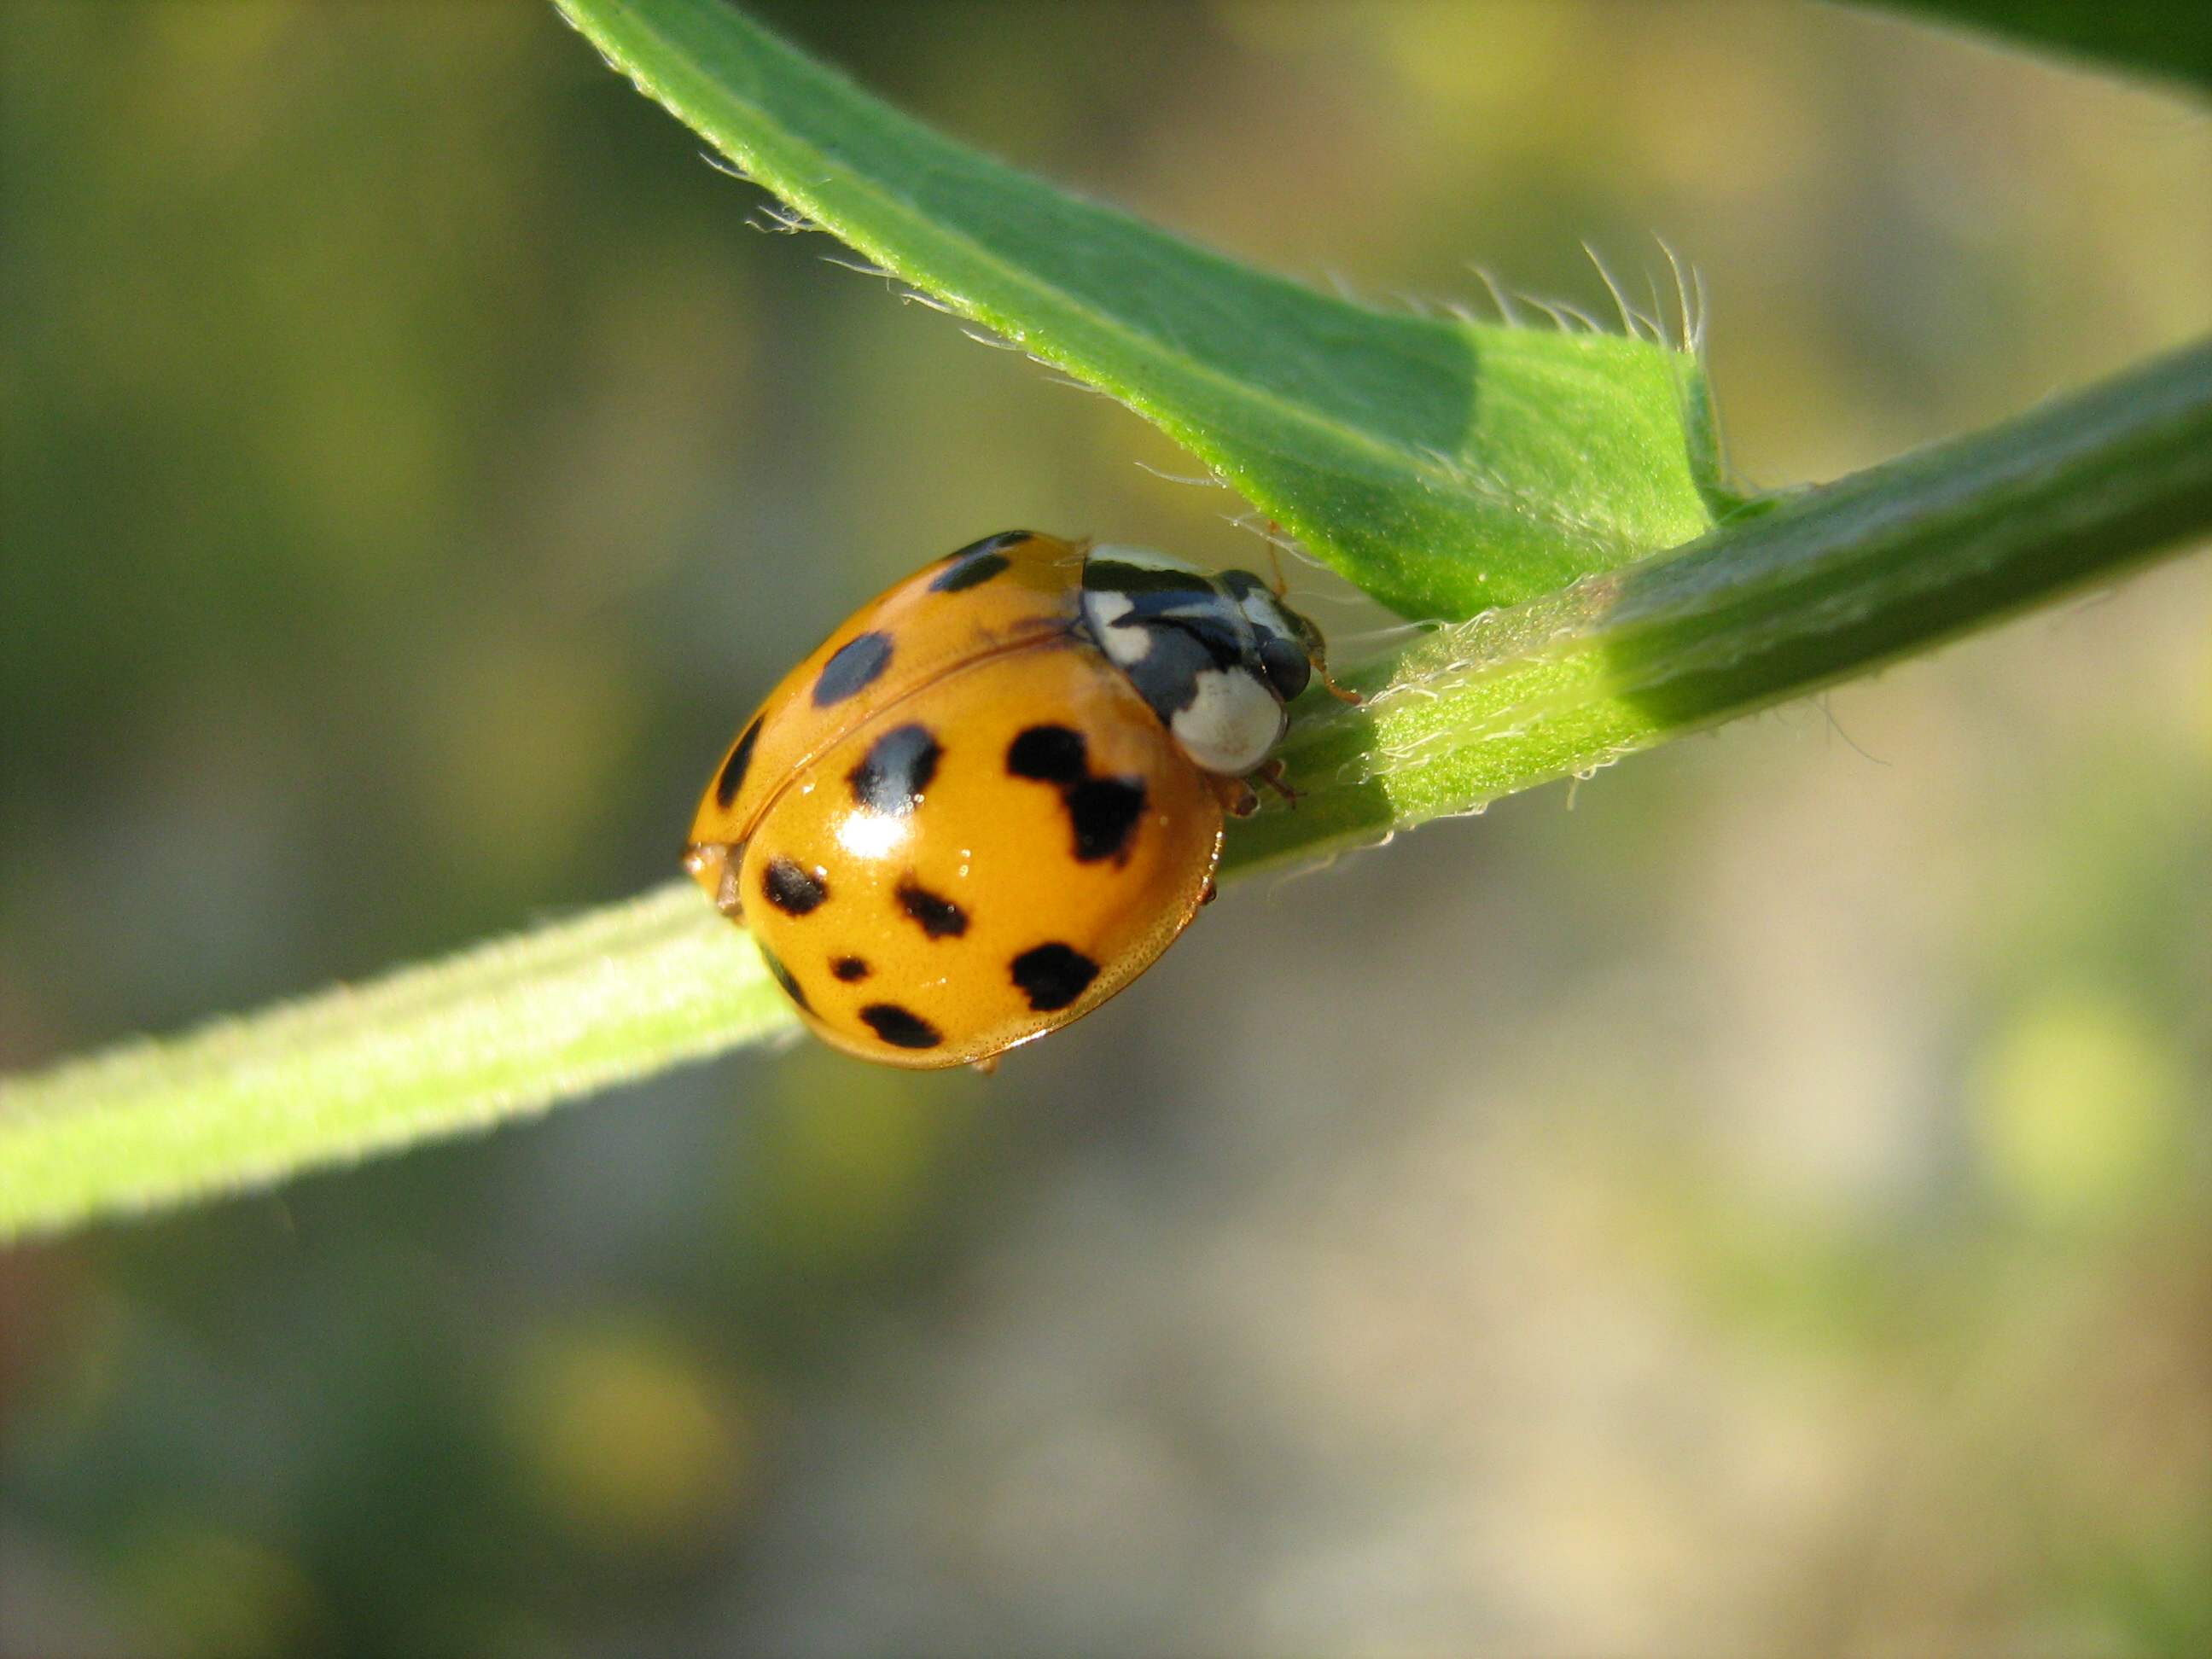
1756, 1201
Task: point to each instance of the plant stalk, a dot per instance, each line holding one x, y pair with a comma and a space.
1837, 581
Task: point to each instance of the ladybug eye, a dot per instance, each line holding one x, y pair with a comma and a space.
1288, 667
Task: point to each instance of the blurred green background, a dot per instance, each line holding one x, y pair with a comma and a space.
1755, 1200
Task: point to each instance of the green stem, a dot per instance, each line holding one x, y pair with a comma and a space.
1836, 582
498, 1031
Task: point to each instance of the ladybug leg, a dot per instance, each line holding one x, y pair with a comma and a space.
699, 859
984, 1067
1235, 795
1271, 775
1211, 893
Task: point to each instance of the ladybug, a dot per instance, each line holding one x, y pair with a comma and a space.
993, 796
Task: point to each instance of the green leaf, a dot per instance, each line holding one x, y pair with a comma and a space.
1836, 582
2173, 42
1445, 466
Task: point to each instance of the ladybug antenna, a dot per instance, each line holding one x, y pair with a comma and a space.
1341, 693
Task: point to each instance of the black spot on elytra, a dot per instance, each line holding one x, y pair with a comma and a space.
734, 768
972, 567
896, 769
900, 1027
853, 668
793, 890
782, 975
849, 968
1103, 810
998, 543
1054, 975
970, 573
1048, 754
940, 918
